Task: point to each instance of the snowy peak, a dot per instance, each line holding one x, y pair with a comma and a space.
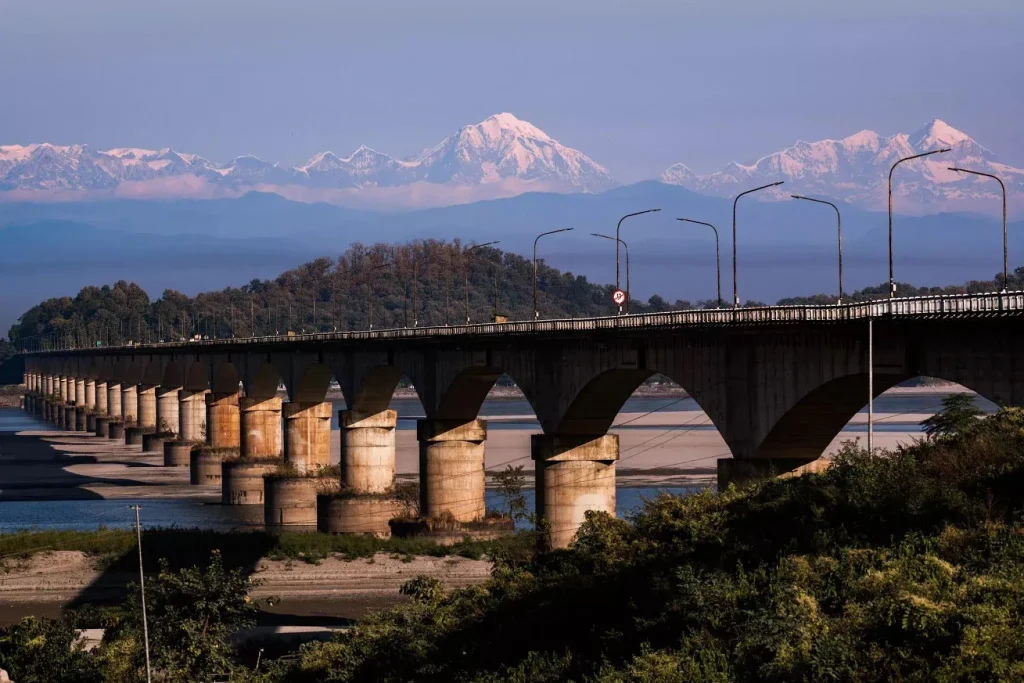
499, 148
855, 169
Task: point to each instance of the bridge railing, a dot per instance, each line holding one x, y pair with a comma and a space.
940, 305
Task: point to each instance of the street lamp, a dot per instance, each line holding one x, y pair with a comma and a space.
617, 227
718, 258
626, 249
1003, 187
892, 280
536, 309
478, 246
735, 291
839, 230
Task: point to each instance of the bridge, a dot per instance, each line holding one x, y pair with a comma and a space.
778, 382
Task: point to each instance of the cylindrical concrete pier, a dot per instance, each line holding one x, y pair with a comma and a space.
222, 429
114, 409
192, 415
307, 435
167, 410
80, 392
177, 454
102, 426
90, 423
367, 450
153, 442
357, 514
70, 418
290, 502
63, 381
115, 431
80, 419
101, 397
205, 467
129, 404
260, 427
242, 481
133, 436
146, 396
452, 468
574, 473
90, 394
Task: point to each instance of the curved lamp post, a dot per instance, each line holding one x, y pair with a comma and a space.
892, 280
1003, 187
718, 257
626, 249
839, 230
617, 227
536, 309
477, 246
735, 290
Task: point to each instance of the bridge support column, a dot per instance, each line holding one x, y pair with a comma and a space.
307, 435
574, 473
367, 476
90, 394
452, 468
260, 425
167, 410
743, 472
129, 404
146, 397
192, 414
101, 397
80, 392
62, 387
114, 404
222, 429
48, 385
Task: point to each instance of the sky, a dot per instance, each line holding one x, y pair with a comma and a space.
637, 85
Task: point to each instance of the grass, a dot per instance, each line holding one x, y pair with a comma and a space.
189, 547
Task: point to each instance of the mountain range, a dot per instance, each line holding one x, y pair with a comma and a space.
505, 156
855, 170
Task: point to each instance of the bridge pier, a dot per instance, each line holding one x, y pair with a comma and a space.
48, 382
307, 435
452, 468
80, 392
115, 406
222, 420
100, 388
129, 404
90, 394
260, 427
743, 472
574, 473
168, 415
63, 390
146, 396
192, 414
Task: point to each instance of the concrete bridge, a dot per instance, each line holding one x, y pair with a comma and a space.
779, 383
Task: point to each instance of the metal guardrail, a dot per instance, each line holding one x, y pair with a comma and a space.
938, 306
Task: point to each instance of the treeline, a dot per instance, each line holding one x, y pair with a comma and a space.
1014, 282
422, 283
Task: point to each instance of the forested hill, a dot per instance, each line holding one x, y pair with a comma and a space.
327, 295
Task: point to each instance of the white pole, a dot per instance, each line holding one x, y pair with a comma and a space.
142, 590
871, 385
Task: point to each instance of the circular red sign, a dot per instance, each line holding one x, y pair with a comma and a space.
618, 297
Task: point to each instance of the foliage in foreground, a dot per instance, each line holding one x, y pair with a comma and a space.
902, 566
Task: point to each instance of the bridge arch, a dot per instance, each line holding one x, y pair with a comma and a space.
262, 383
311, 385
225, 379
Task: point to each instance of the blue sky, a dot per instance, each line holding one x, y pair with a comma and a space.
637, 85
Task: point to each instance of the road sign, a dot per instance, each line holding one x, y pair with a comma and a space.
618, 297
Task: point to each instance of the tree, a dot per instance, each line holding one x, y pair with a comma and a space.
45, 650
958, 416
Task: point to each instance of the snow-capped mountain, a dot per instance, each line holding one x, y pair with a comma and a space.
855, 169
501, 148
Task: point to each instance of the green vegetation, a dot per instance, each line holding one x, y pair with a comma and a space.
327, 295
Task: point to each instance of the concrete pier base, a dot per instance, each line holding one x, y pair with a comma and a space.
177, 454
115, 431
574, 473
153, 442
222, 426
452, 469
102, 426
367, 450
90, 423
357, 514
260, 427
205, 467
167, 410
290, 502
70, 418
133, 436
307, 435
80, 419
192, 415
242, 481
745, 472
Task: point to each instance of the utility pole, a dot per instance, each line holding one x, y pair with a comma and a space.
142, 590
871, 383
